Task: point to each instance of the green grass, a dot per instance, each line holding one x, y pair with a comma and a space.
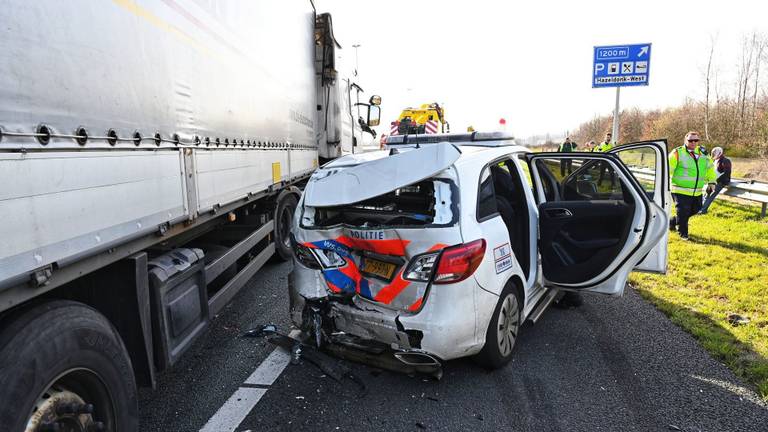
723, 270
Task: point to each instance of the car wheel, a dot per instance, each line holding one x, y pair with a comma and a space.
502, 331
283, 224
64, 367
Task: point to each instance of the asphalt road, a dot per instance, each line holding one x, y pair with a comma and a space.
612, 364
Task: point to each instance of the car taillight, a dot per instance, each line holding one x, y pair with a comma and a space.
459, 262
305, 256
421, 267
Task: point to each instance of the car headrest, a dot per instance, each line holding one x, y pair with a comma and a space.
502, 181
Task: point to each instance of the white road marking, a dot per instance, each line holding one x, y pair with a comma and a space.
270, 369
240, 404
234, 410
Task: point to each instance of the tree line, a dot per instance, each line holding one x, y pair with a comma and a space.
733, 115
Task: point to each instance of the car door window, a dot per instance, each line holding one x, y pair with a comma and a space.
486, 198
642, 164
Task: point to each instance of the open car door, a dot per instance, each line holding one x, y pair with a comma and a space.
596, 221
647, 161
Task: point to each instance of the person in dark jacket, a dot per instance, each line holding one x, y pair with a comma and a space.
723, 168
567, 164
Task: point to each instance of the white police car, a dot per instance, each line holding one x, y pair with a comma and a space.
442, 245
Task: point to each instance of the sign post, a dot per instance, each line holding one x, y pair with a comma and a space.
621, 66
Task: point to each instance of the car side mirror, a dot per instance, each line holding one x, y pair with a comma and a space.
374, 115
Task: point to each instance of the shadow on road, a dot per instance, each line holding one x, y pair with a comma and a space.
721, 343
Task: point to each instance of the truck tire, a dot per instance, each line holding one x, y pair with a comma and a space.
283, 223
63, 362
502, 331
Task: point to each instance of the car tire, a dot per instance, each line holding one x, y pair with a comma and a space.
283, 223
63, 352
503, 331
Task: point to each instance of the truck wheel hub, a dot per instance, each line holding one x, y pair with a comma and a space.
62, 411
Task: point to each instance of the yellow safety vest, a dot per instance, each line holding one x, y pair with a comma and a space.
689, 174
603, 147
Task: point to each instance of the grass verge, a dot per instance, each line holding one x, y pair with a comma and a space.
722, 271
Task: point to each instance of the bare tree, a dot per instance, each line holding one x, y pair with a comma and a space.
712, 40
760, 41
745, 73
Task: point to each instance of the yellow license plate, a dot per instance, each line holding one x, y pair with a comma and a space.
378, 268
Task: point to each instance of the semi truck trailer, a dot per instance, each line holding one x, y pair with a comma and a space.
152, 154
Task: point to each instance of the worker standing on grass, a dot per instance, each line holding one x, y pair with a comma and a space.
690, 170
567, 164
604, 147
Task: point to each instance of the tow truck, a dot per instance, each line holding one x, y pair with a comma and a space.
426, 119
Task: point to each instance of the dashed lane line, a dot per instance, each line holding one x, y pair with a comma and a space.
240, 404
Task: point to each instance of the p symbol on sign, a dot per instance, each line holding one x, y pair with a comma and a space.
599, 67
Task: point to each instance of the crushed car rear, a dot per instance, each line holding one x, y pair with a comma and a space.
389, 270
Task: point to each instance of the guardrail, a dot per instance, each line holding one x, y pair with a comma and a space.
751, 190
747, 189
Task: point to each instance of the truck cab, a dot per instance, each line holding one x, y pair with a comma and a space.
344, 116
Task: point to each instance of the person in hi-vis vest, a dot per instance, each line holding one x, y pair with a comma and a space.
690, 170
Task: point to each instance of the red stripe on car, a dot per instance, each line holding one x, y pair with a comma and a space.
416, 305
389, 292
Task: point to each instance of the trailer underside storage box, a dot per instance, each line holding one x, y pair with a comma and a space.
180, 312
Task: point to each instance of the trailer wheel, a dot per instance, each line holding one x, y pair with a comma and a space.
283, 223
64, 367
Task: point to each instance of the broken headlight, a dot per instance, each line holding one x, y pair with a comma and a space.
421, 267
329, 259
305, 256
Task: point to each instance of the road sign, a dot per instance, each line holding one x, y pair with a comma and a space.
621, 65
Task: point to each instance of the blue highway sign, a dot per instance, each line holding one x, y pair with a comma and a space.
621, 65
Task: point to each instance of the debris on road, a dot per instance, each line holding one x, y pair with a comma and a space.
736, 319
299, 350
261, 331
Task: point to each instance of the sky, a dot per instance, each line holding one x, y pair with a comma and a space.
531, 62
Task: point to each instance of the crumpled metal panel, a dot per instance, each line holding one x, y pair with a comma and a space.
397, 246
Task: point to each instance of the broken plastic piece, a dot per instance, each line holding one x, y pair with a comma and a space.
261, 331
736, 319
295, 354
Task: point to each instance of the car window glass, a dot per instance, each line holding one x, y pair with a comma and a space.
486, 200
642, 163
526, 170
582, 180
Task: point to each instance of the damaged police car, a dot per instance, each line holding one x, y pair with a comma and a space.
443, 245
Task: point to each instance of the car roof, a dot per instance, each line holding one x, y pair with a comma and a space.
470, 151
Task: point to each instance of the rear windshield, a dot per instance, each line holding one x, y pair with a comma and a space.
431, 202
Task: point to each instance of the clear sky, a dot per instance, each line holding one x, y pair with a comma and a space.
531, 61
